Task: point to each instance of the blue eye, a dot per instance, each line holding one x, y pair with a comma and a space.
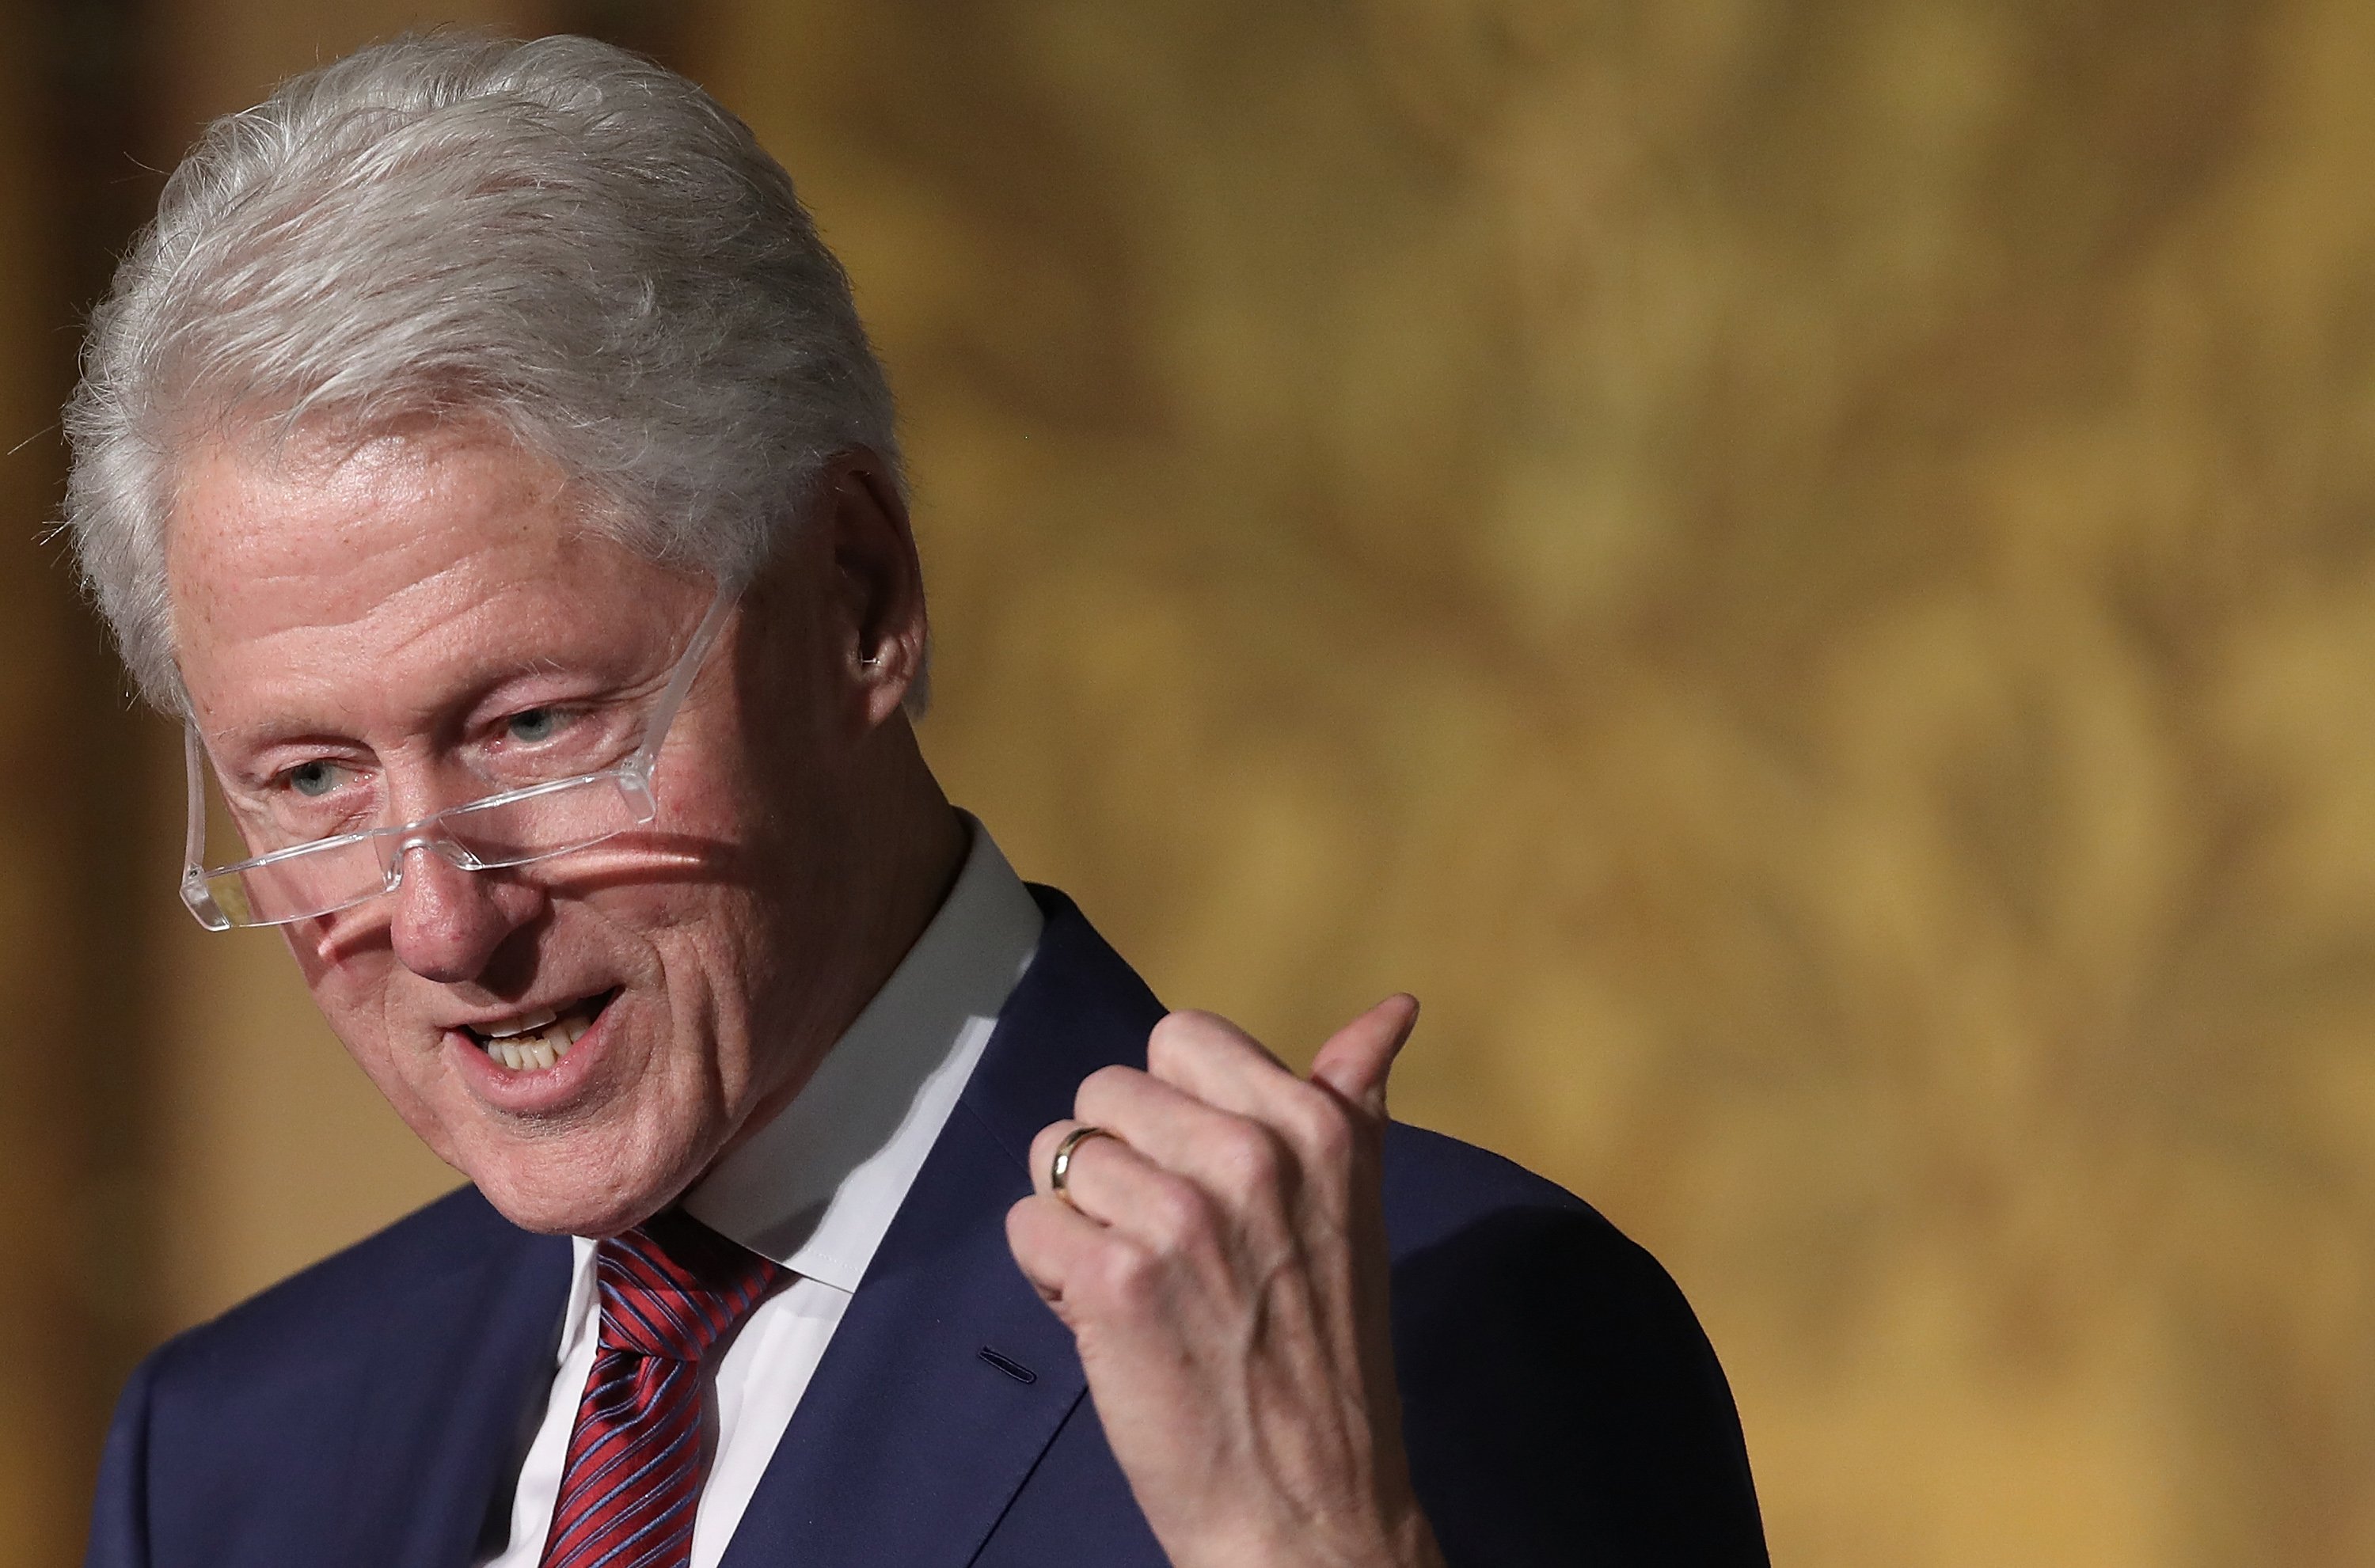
534, 725
313, 780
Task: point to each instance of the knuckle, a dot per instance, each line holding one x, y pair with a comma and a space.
1318, 1123
1250, 1163
1181, 1035
1102, 1088
1177, 1216
1129, 1278
1171, 1038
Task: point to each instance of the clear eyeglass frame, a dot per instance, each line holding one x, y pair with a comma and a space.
512, 827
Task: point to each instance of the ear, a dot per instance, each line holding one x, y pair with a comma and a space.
879, 631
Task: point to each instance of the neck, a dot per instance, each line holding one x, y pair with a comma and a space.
905, 848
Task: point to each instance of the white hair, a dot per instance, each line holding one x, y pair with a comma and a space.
556, 235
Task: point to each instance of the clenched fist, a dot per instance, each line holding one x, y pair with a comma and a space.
1221, 1260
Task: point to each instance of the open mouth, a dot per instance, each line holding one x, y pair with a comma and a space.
540, 1038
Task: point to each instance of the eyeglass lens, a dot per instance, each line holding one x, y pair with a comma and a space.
485, 834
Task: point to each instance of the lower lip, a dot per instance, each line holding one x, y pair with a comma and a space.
527, 1091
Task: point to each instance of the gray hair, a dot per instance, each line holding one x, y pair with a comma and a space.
557, 235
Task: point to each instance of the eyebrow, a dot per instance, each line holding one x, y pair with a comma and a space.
473, 693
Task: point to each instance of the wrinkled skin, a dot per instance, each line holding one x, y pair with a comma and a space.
389, 610
1222, 1264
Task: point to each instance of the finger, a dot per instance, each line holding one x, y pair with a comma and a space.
1091, 1155
1051, 1243
1118, 1186
1159, 1120
1357, 1057
1215, 1061
1043, 1145
1239, 1158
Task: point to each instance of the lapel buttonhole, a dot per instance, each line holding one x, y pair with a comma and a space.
1009, 1365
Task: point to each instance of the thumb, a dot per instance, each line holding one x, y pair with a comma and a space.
1357, 1059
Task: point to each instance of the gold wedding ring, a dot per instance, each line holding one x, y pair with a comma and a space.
1060, 1168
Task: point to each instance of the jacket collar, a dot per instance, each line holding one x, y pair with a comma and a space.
948, 1375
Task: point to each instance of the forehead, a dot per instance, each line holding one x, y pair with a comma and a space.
338, 580
352, 525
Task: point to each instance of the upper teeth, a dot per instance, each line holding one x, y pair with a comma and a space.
535, 1039
520, 1025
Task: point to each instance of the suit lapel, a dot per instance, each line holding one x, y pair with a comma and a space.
948, 1375
441, 1416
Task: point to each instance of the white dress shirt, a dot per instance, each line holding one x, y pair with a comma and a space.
815, 1189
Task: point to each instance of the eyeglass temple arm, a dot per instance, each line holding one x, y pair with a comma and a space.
193, 758
196, 895
696, 653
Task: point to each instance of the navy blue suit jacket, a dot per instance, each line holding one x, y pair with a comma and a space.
1561, 1404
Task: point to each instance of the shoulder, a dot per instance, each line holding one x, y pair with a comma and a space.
1471, 1232
1435, 1187
1475, 1234
1466, 1225
390, 1283
1556, 1385
347, 1414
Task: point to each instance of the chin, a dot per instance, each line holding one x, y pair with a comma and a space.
558, 1192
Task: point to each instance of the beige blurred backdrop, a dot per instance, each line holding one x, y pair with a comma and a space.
1803, 571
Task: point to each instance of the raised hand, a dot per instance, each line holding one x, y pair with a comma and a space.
1221, 1260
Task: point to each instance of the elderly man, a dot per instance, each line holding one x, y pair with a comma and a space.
482, 455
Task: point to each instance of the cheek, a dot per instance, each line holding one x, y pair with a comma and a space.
405, 1064
349, 990
722, 804
719, 951
355, 995
706, 951
402, 1061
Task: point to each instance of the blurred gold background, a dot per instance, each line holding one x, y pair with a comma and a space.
1804, 572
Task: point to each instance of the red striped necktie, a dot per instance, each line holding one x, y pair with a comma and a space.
672, 1288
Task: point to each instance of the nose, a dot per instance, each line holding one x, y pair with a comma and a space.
449, 923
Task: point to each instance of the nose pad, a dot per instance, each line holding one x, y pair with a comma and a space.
444, 846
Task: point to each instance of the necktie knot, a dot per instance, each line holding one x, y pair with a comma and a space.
672, 1287
631, 1484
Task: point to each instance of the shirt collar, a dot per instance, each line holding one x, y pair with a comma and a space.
816, 1188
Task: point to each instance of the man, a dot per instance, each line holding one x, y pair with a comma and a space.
482, 454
